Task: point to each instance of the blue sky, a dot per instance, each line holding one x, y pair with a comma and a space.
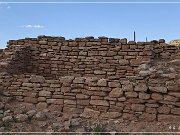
79, 20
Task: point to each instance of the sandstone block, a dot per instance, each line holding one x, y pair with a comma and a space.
79, 80
114, 84
175, 94
123, 62
131, 94
135, 62
141, 88
41, 106
30, 100
151, 110
99, 72
7, 119
175, 111
65, 89
42, 42
144, 96
31, 113
41, 99
138, 107
144, 73
41, 116
82, 96
164, 110
71, 102
37, 79
102, 82
170, 98
66, 79
27, 85
21, 117
127, 87
71, 110
82, 102
156, 96
158, 89
90, 113
168, 118
99, 102
116, 92
65, 48
147, 117
110, 115
175, 62
91, 79
45, 93
122, 99
55, 86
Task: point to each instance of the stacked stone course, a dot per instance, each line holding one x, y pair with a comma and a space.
105, 78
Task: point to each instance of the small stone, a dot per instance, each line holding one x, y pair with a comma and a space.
76, 121
175, 62
66, 79
82, 96
147, 117
41, 116
41, 105
123, 62
41, 99
116, 92
57, 125
164, 110
21, 117
144, 73
175, 111
99, 102
113, 84
158, 89
137, 107
141, 87
99, 72
31, 113
37, 79
42, 42
7, 113
7, 119
170, 98
131, 94
45, 93
102, 82
90, 113
168, 118
80, 130
110, 115
143, 67
144, 96
30, 100
67, 124
127, 87
79, 80
156, 96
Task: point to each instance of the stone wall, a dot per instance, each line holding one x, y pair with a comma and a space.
55, 57
105, 78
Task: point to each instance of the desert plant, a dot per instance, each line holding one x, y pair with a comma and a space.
99, 129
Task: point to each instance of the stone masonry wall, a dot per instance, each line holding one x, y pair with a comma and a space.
104, 78
55, 57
